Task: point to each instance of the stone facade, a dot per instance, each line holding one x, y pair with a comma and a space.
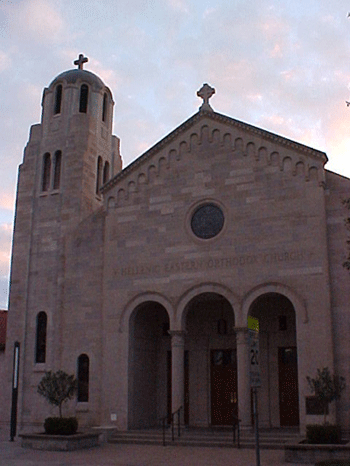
151, 271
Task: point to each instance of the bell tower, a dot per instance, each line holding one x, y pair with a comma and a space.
70, 154
78, 152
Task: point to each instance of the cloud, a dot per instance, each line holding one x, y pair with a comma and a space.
7, 200
5, 61
37, 20
4, 286
5, 248
208, 11
179, 5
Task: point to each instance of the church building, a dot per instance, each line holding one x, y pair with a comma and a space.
140, 280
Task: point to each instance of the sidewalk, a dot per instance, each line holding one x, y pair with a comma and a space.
12, 454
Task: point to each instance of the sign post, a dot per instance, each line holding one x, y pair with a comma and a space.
15, 375
255, 382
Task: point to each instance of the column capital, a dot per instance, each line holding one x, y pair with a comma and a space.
240, 329
241, 335
177, 332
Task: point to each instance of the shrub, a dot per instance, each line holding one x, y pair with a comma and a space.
324, 434
61, 425
57, 387
326, 387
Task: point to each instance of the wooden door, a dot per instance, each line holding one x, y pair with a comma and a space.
223, 387
288, 386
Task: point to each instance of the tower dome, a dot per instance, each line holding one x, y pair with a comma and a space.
74, 92
72, 76
76, 76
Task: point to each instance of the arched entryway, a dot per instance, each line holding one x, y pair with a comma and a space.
210, 361
149, 346
278, 395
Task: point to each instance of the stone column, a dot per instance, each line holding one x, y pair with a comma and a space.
243, 382
177, 370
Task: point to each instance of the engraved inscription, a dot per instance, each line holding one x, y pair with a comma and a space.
195, 265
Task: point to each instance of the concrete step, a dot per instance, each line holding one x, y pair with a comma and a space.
205, 438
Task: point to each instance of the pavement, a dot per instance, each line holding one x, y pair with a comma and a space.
12, 454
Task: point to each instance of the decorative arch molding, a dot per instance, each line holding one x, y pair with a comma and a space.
193, 134
141, 299
180, 316
298, 303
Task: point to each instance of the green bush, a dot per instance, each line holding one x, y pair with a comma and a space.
61, 425
324, 434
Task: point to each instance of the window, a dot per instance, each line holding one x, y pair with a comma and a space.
106, 172
99, 174
46, 172
104, 107
83, 378
40, 344
57, 169
58, 99
84, 95
207, 221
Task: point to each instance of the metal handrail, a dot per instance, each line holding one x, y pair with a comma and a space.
235, 425
177, 412
163, 419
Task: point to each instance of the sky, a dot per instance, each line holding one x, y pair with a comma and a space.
281, 65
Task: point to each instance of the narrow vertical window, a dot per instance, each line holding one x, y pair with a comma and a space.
45, 184
84, 96
58, 99
40, 343
106, 172
99, 175
104, 107
57, 169
83, 378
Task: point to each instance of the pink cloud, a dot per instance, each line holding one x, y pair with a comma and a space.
5, 248
38, 20
7, 201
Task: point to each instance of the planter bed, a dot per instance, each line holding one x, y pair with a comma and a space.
307, 453
60, 442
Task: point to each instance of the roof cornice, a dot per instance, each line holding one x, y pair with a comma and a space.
267, 135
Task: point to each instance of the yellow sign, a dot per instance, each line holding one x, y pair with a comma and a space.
253, 324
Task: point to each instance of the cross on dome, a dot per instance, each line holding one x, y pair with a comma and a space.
205, 93
80, 62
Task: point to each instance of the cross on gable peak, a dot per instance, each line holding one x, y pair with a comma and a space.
205, 92
81, 60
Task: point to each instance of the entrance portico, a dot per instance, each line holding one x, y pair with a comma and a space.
202, 365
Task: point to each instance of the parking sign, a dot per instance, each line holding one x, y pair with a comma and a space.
253, 334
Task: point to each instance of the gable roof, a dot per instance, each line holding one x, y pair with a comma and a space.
254, 130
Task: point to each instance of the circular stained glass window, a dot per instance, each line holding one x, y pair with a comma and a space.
207, 221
